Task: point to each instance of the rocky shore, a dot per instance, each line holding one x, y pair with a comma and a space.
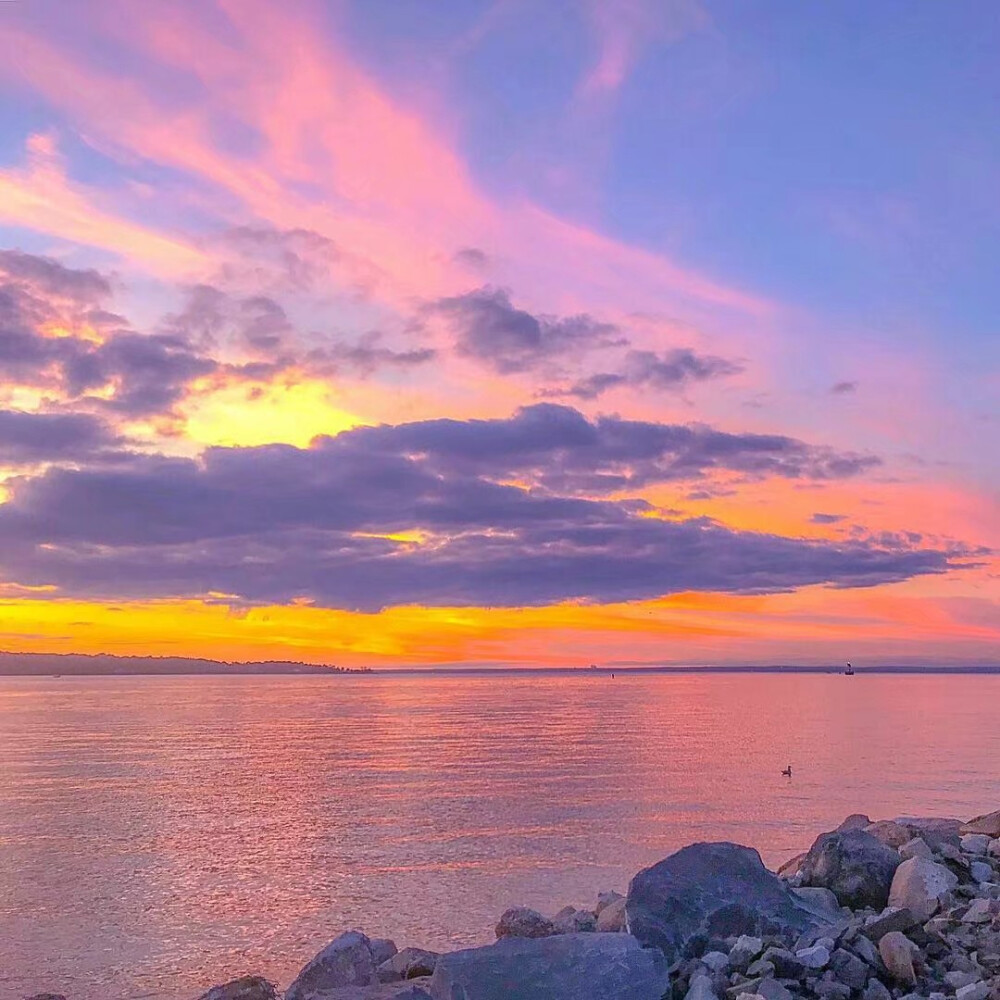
889, 910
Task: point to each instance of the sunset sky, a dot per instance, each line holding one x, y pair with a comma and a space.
526, 332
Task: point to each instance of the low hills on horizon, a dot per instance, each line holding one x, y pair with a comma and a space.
109, 664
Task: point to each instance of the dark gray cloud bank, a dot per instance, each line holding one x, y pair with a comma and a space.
32, 438
277, 523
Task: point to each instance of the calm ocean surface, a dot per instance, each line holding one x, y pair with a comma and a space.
162, 834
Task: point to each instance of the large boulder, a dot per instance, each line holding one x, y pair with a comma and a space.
854, 865
920, 885
988, 824
244, 988
708, 891
520, 921
563, 967
345, 961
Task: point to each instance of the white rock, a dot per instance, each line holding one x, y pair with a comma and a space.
816, 957
920, 885
975, 843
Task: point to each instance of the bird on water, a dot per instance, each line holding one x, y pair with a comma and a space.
787, 771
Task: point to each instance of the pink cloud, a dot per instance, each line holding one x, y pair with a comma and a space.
335, 154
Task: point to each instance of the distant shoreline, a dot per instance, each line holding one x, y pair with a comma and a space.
107, 665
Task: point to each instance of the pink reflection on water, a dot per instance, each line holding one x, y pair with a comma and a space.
158, 835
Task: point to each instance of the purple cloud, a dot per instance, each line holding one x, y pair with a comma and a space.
668, 371
278, 523
489, 328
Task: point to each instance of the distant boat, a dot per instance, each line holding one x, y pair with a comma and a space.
849, 672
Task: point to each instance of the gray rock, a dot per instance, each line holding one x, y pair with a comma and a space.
382, 950
855, 866
745, 951
816, 957
605, 899
897, 950
920, 885
988, 824
850, 969
716, 961
345, 961
830, 989
521, 922
978, 912
934, 829
700, 988
711, 891
956, 980
771, 989
411, 993
611, 919
890, 833
916, 848
975, 843
876, 991
892, 918
856, 821
994, 848
760, 969
981, 871
407, 964
563, 967
949, 852
244, 988
786, 964
791, 867
866, 951
573, 921
974, 991
819, 900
